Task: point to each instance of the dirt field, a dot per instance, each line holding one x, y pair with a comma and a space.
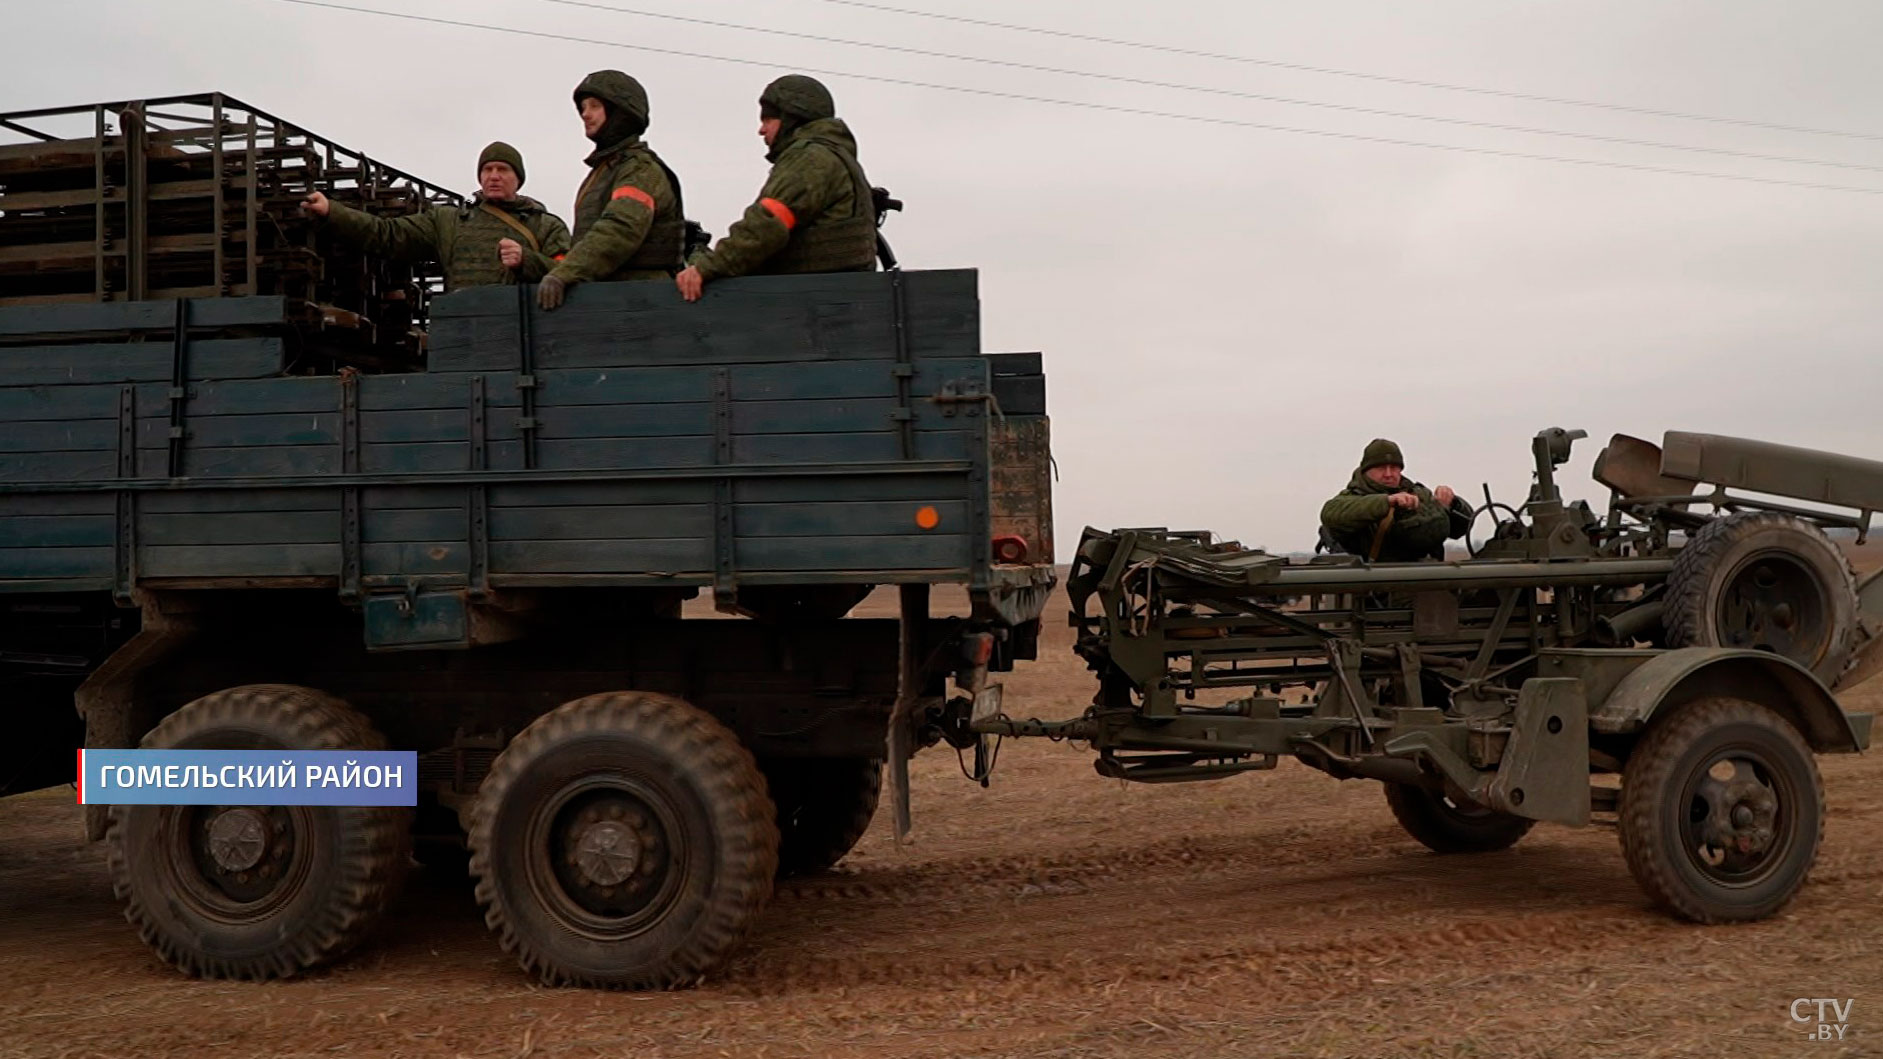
1057, 914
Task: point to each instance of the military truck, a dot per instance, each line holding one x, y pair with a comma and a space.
1667, 667
211, 538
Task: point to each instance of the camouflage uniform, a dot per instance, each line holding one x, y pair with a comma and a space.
629, 220
815, 212
464, 238
1352, 518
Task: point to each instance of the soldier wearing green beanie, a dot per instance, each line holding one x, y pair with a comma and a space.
1383, 515
497, 237
815, 212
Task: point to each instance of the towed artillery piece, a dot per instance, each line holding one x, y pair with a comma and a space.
1687, 643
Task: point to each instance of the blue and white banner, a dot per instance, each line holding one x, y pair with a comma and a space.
247, 777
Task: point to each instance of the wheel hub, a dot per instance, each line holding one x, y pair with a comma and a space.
238, 839
1739, 812
610, 851
1770, 604
607, 852
239, 854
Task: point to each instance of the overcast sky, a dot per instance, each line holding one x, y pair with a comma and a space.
1227, 313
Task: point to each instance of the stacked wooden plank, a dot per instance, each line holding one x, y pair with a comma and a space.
198, 197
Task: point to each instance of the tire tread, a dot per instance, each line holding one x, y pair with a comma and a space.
734, 789
373, 861
1644, 845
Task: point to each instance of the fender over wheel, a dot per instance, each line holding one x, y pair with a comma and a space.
623, 840
257, 892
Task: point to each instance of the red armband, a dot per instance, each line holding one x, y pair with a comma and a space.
781, 211
629, 191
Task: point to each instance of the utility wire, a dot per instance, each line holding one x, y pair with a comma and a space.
1196, 53
1082, 104
1207, 90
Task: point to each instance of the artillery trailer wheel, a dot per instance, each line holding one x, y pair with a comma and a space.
257, 892
1446, 826
1767, 581
623, 840
1721, 811
824, 806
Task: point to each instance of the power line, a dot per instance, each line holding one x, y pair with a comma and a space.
1085, 105
1196, 53
1208, 90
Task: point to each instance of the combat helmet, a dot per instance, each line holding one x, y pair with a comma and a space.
616, 89
800, 97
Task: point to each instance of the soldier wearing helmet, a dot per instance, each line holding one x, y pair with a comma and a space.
629, 222
497, 237
814, 213
1385, 516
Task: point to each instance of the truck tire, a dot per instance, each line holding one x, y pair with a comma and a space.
623, 840
1721, 811
257, 892
1444, 826
824, 806
1766, 581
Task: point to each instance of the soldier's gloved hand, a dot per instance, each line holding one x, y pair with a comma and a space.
549, 292
510, 252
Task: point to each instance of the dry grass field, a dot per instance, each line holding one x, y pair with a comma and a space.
1055, 914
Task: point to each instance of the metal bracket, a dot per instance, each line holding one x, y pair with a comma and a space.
956, 393
526, 376
1411, 693
725, 572
350, 496
1344, 657
179, 386
1544, 774
478, 499
1506, 606
904, 370
125, 538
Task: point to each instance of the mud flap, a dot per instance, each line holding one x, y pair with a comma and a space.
107, 699
1544, 774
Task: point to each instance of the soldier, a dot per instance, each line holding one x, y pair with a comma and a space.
814, 213
498, 237
1385, 516
629, 222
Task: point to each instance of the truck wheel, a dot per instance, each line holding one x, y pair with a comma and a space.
824, 806
257, 892
1721, 811
1445, 826
1766, 581
623, 840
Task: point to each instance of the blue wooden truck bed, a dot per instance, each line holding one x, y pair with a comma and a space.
800, 430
